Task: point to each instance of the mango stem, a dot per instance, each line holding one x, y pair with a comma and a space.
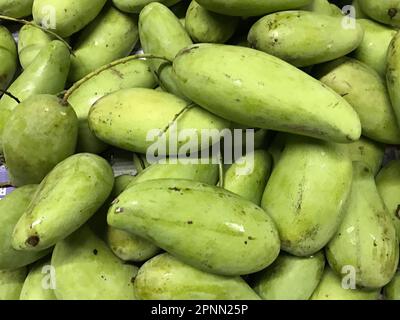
10, 95
176, 117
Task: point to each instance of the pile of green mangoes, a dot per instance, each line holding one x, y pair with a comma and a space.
317, 215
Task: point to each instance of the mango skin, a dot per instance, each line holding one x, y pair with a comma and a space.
136, 6
11, 209
287, 35
125, 117
126, 74
70, 16
40, 133
221, 234
251, 7
387, 12
242, 92
323, 7
56, 211
16, 8
366, 91
367, 151
290, 277
111, 36
392, 290
366, 239
393, 74
330, 288
306, 202
11, 282
86, 269
166, 278
8, 57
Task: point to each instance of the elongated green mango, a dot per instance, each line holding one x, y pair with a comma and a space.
251, 7
11, 209
282, 34
373, 48
136, 6
366, 238
368, 152
387, 11
392, 290
122, 74
43, 128
47, 74
162, 34
39, 284
68, 196
323, 7
11, 282
220, 234
306, 201
251, 87
136, 119
393, 74
66, 17
86, 269
16, 8
209, 27
111, 36
166, 278
290, 277
8, 57
331, 288
366, 91
248, 176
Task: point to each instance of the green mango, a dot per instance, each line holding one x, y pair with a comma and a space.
136, 6
8, 57
43, 128
16, 8
111, 36
373, 49
290, 277
323, 7
11, 282
393, 74
86, 269
231, 82
47, 74
287, 35
386, 11
306, 193
130, 118
330, 288
30, 41
122, 74
365, 90
11, 209
392, 290
66, 17
366, 238
210, 27
222, 227
367, 151
38, 283
69, 195
166, 278
162, 34
358, 11
251, 7
248, 176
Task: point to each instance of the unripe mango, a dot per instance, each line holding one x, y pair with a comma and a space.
387, 12
8, 57
136, 6
11, 282
16, 8
393, 74
367, 151
392, 290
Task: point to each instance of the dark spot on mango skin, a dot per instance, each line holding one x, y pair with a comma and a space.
174, 189
95, 252
398, 212
33, 241
392, 12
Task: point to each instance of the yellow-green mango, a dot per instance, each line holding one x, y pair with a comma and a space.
134, 119
40, 133
222, 227
366, 238
323, 7
247, 8
166, 278
287, 35
306, 193
232, 82
86, 269
47, 74
136, 6
385, 11
248, 176
358, 11
365, 90
11, 209
67, 197
367, 151
331, 288
39, 283
111, 36
11, 282
392, 290
16, 8
393, 74
290, 277
8, 57
373, 48
66, 17
210, 27
162, 34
